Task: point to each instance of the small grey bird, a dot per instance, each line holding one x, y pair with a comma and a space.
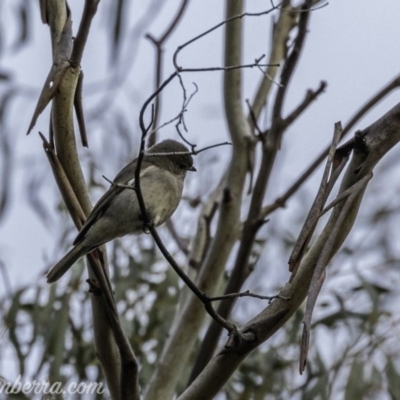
117, 213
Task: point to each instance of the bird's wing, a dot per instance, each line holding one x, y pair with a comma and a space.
100, 207
124, 177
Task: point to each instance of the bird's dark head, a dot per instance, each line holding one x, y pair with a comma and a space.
171, 156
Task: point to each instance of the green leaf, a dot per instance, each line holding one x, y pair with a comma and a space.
355, 383
393, 378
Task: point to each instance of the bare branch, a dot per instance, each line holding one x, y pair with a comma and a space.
281, 201
253, 222
89, 12
251, 226
159, 63
291, 62
236, 17
383, 134
230, 68
310, 96
182, 244
64, 186
280, 34
247, 293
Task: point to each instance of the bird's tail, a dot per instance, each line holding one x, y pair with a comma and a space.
66, 263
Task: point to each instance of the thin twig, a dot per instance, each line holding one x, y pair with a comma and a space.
192, 286
247, 293
185, 104
254, 119
182, 46
195, 152
310, 96
182, 243
269, 77
290, 63
230, 68
158, 43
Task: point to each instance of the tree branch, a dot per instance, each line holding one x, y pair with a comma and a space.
280, 37
379, 137
281, 200
89, 12
159, 43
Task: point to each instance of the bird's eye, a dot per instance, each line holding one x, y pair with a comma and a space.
182, 166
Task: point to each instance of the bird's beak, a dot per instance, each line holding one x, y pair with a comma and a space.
192, 168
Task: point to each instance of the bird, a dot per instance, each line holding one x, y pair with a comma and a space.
117, 213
